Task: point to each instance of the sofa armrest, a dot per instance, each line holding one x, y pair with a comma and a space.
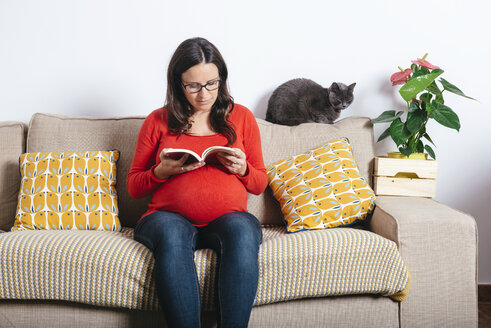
439, 247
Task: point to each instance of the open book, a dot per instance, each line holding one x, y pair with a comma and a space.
209, 155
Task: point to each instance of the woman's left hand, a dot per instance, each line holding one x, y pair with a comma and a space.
236, 163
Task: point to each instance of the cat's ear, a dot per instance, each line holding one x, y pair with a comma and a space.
334, 87
351, 87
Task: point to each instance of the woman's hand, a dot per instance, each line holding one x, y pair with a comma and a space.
236, 163
169, 166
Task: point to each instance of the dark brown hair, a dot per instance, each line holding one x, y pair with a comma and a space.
189, 53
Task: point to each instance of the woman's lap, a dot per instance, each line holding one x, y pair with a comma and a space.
173, 239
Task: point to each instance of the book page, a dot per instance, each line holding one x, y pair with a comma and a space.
209, 155
176, 153
217, 149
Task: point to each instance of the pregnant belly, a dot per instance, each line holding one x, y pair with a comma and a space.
202, 195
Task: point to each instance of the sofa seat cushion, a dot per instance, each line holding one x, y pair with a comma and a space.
108, 268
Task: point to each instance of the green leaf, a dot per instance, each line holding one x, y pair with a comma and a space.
387, 116
452, 88
430, 107
445, 116
427, 137
409, 90
416, 145
415, 119
412, 145
430, 151
438, 70
419, 72
434, 89
405, 151
398, 132
414, 105
426, 97
384, 134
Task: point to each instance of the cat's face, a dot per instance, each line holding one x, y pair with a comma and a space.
341, 96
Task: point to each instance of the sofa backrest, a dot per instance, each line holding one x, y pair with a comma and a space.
12, 145
55, 133
281, 142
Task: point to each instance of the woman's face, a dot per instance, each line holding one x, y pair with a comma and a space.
194, 78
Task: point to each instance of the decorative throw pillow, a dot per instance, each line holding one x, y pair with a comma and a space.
68, 191
322, 188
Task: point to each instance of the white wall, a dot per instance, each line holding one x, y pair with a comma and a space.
106, 58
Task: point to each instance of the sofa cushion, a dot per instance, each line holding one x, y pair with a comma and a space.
68, 191
56, 133
280, 142
111, 269
322, 188
12, 145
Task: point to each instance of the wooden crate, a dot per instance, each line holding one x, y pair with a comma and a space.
388, 181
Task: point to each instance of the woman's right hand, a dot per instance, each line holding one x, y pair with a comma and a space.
169, 166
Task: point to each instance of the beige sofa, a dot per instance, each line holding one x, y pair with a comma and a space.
436, 242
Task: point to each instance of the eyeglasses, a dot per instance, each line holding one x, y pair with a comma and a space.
196, 87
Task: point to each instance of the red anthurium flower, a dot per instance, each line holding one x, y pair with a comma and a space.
400, 77
424, 63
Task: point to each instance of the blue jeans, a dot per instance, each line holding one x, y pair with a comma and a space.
173, 239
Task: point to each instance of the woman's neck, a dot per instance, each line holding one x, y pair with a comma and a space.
200, 124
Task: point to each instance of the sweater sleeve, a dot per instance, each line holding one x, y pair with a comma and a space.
141, 180
256, 179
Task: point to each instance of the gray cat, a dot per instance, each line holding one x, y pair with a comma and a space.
302, 101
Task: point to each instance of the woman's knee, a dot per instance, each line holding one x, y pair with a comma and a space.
165, 229
241, 228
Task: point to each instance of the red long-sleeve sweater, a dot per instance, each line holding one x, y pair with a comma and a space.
208, 192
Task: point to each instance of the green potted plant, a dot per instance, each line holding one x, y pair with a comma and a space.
424, 98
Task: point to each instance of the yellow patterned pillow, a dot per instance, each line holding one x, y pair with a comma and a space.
322, 188
68, 191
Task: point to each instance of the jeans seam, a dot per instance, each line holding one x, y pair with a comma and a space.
219, 305
196, 280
